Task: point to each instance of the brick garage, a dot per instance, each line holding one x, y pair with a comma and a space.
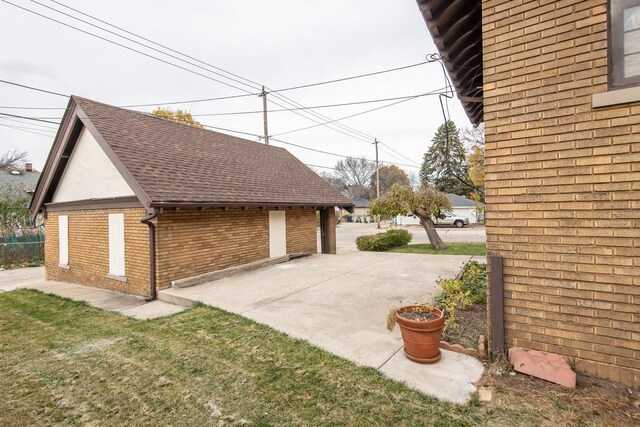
123, 214
196, 242
563, 179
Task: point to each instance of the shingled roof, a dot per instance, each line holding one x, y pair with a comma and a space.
169, 164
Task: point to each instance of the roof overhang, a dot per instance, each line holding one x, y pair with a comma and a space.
456, 28
73, 121
282, 205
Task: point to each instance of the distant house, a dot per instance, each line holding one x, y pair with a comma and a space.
361, 207
16, 188
22, 180
460, 206
557, 85
132, 202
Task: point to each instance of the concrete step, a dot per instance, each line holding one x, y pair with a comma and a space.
172, 297
232, 271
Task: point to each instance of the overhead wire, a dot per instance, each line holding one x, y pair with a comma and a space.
354, 115
123, 46
18, 128
349, 131
28, 118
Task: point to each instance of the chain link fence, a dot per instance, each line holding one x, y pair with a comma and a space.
23, 249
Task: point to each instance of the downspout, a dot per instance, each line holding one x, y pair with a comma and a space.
151, 214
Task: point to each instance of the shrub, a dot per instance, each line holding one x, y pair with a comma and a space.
474, 282
383, 241
459, 293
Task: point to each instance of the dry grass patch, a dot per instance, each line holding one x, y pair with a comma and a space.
65, 363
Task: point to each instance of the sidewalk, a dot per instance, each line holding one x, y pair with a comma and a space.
127, 305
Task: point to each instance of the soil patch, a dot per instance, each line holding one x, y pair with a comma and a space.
472, 322
418, 315
594, 402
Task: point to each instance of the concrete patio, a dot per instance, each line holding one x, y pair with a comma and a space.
127, 305
340, 303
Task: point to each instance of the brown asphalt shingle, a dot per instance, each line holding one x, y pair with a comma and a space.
177, 163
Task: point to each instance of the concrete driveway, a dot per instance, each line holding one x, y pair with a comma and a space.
340, 303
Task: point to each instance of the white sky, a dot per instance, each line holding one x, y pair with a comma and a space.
279, 44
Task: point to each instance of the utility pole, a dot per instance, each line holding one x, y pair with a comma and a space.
375, 142
264, 115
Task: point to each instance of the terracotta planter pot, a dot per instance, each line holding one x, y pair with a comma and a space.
421, 338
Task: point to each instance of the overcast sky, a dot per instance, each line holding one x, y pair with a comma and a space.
278, 44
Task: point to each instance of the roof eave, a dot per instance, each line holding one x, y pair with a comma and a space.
450, 21
284, 204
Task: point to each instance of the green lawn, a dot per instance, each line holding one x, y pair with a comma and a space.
451, 249
65, 363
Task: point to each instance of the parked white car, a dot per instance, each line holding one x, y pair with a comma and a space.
450, 219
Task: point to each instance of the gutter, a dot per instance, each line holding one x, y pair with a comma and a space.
151, 214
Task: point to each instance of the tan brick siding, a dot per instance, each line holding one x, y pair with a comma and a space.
191, 242
89, 250
302, 231
563, 185
332, 232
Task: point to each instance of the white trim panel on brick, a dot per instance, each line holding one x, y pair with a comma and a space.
277, 234
63, 240
116, 244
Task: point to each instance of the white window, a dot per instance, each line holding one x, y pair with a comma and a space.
116, 244
624, 43
63, 240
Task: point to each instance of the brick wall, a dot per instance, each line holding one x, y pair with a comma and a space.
89, 250
192, 242
302, 231
563, 185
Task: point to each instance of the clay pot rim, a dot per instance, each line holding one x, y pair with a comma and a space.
406, 321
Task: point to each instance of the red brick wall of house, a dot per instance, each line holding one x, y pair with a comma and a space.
89, 250
563, 185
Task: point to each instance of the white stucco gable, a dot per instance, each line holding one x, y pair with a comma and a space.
90, 174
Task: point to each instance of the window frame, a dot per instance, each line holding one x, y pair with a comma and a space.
615, 45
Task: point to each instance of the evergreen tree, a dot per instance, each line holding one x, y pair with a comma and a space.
444, 165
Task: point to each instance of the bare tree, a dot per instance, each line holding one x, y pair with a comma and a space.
472, 137
13, 159
355, 171
332, 180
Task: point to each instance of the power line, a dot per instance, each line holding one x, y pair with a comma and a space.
318, 166
398, 153
288, 100
350, 78
329, 123
136, 42
18, 128
230, 73
28, 118
33, 88
21, 121
354, 115
344, 104
123, 46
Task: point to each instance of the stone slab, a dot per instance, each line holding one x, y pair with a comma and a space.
547, 366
